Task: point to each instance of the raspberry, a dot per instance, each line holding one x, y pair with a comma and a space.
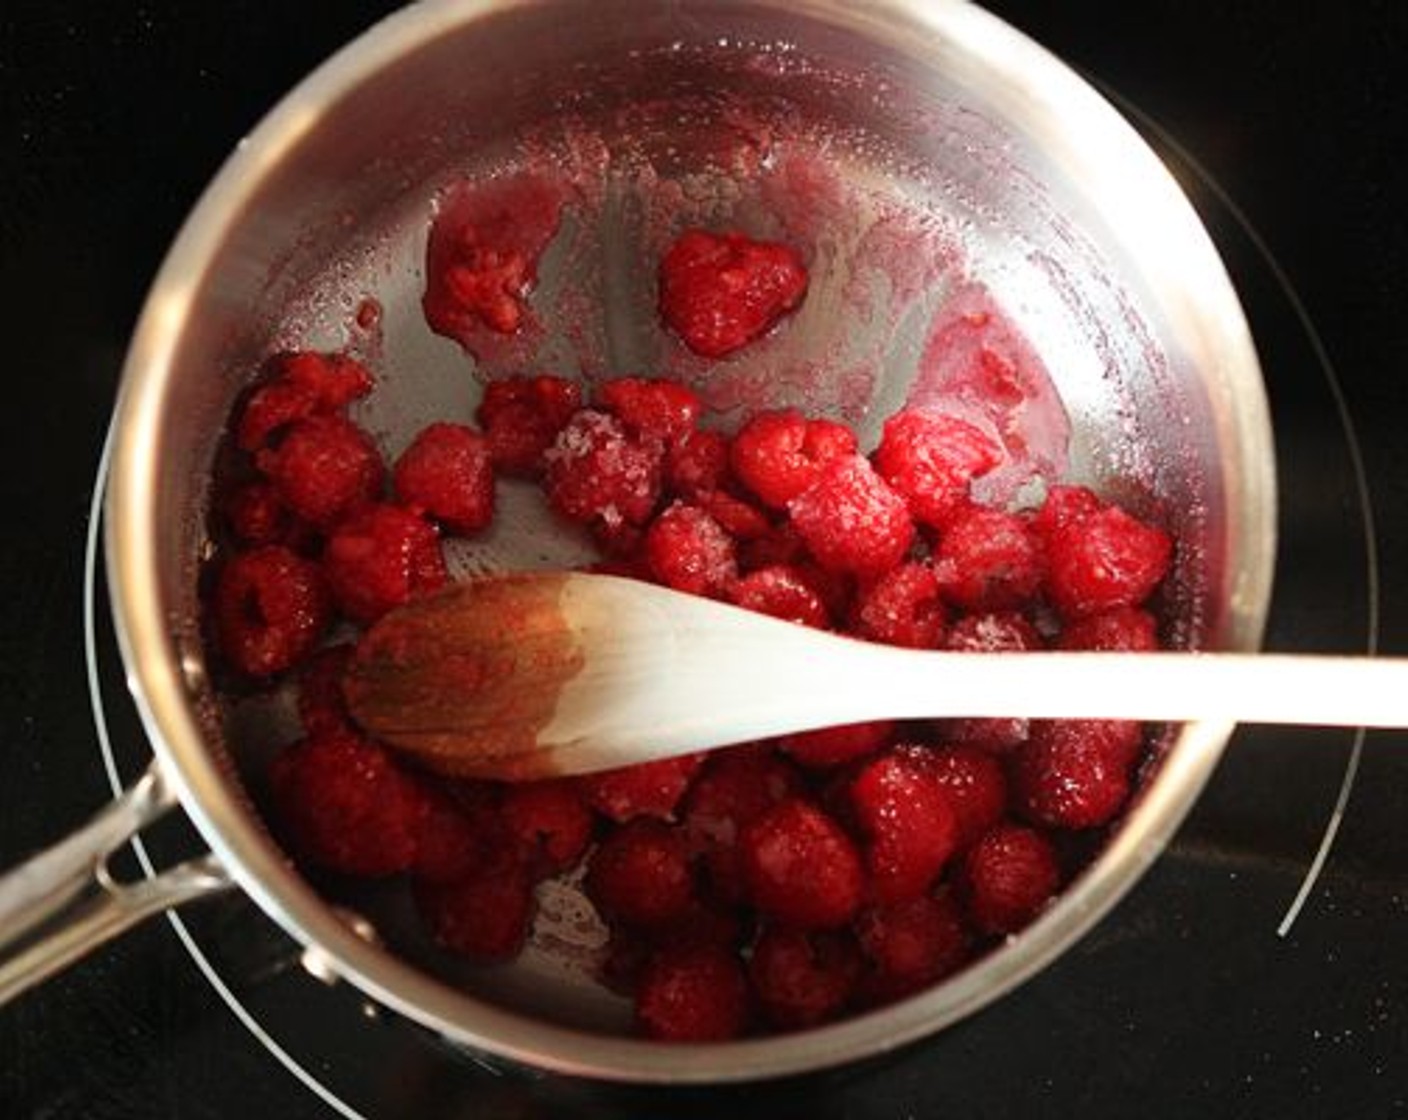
909, 946
1105, 560
834, 746
991, 633
686, 549
647, 789
695, 462
521, 416
1063, 505
596, 472
380, 558
900, 608
300, 385
485, 914
739, 519
1124, 629
851, 522
1074, 773
461, 835
1007, 877
779, 455
321, 707
800, 867
931, 460
802, 979
719, 292
270, 606
324, 468
988, 560
783, 592
909, 823
255, 515
549, 822
973, 781
343, 804
446, 474
663, 409
640, 875
779, 545
692, 993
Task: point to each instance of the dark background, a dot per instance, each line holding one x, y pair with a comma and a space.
112, 119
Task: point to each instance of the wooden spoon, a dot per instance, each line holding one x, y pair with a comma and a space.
526, 676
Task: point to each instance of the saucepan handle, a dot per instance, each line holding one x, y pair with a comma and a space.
63, 903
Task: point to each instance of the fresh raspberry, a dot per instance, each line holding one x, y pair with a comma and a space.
901, 608
783, 592
740, 520
1062, 506
999, 632
909, 823
446, 474
781, 544
461, 834
802, 979
973, 780
851, 522
256, 515
692, 993
835, 746
779, 455
324, 468
988, 560
271, 606
1074, 773
800, 867
665, 410
719, 292
549, 822
342, 803
909, 946
484, 915
521, 417
696, 462
299, 385
931, 460
640, 874
687, 549
596, 471
1124, 629
380, 558
629, 948
321, 707
647, 789
1105, 560
1007, 877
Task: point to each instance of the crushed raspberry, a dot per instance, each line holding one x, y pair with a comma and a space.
647, 789
380, 558
931, 460
342, 803
255, 515
988, 560
324, 468
800, 867
549, 822
692, 993
835, 746
484, 915
1064, 505
446, 474
654, 407
974, 782
779, 455
910, 826
1074, 773
299, 385
521, 417
270, 607
910, 945
801, 979
640, 874
696, 462
321, 707
596, 471
1124, 629
719, 292
901, 608
1105, 560
1007, 877
738, 519
688, 550
782, 592
851, 522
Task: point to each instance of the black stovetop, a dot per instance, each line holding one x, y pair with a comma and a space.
1209, 991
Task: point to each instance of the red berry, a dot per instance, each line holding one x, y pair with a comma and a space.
255, 515
485, 914
596, 472
640, 875
299, 385
910, 945
695, 462
988, 560
739, 519
1062, 505
719, 292
521, 417
1074, 773
1105, 560
782, 592
462, 834
910, 826
446, 474
1007, 877
779, 455
851, 522
694, 992
931, 459
687, 549
549, 822
1124, 629
647, 789
834, 746
973, 780
324, 468
380, 558
665, 410
271, 606
901, 608
321, 707
800, 867
802, 979
343, 804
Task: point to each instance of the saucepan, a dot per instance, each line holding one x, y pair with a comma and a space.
931, 151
